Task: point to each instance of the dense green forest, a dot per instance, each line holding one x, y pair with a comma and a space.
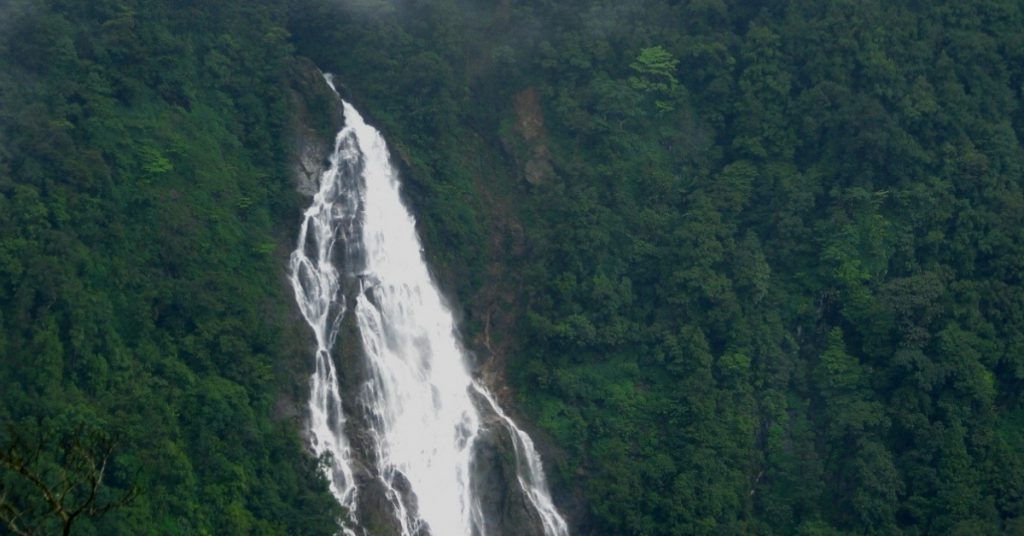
765, 258
748, 267
142, 201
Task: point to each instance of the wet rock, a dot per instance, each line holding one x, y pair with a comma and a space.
506, 510
375, 509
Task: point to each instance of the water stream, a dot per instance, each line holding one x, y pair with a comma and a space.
423, 411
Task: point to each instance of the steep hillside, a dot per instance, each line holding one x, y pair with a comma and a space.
741, 267
753, 266
145, 218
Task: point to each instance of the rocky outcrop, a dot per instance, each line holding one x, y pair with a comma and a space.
316, 116
533, 153
505, 509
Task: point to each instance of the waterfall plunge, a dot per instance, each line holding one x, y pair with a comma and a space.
423, 409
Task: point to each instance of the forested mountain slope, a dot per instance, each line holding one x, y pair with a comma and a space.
764, 258
751, 267
143, 195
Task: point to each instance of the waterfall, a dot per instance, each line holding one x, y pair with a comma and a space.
422, 409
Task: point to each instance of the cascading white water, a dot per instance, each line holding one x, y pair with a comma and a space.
419, 400
530, 472
317, 286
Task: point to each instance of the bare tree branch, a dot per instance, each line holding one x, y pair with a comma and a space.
80, 478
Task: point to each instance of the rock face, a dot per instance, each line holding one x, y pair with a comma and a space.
316, 117
536, 163
375, 512
505, 508
495, 483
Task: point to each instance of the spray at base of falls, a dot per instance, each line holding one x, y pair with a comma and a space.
422, 410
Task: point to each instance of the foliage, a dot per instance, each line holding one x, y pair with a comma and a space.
141, 175
68, 492
773, 285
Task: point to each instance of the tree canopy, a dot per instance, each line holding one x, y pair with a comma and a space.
764, 277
